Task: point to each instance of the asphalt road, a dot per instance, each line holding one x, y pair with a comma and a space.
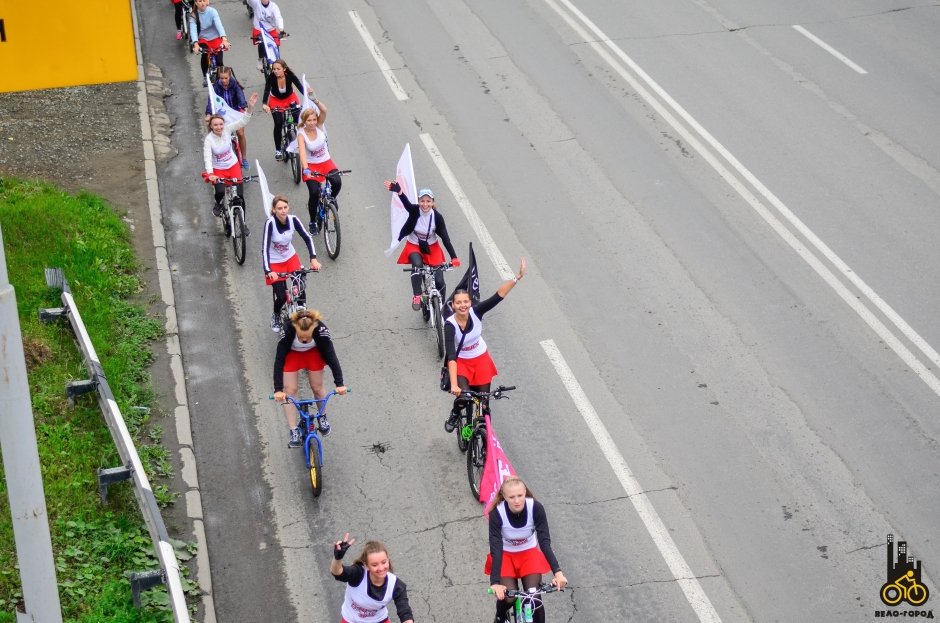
735, 310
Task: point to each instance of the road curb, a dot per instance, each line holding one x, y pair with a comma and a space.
181, 412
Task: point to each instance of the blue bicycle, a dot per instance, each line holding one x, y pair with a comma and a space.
327, 216
313, 442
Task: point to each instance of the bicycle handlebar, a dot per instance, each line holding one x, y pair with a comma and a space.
307, 401
543, 589
299, 271
231, 181
496, 394
280, 35
318, 174
425, 268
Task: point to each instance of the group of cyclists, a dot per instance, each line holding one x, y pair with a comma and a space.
519, 538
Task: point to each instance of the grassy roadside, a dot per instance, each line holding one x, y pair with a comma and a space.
94, 545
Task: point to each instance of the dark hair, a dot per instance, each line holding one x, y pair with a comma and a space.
373, 547
454, 294
276, 200
283, 63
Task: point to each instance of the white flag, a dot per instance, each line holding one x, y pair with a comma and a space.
266, 196
220, 106
405, 176
307, 102
270, 47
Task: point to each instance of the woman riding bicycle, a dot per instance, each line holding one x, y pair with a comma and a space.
267, 17
423, 228
314, 152
279, 93
520, 546
468, 360
370, 584
229, 89
178, 10
305, 345
278, 254
220, 157
205, 27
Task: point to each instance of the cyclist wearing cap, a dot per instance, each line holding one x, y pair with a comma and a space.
424, 227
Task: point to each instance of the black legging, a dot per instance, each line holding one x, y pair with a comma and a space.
416, 263
220, 191
279, 292
279, 126
460, 402
178, 14
504, 606
313, 188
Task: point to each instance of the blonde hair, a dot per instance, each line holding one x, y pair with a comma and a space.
305, 319
277, 199
510, 480
306, 115
209, 122
373, 547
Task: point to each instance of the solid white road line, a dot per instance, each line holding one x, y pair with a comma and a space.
379, 59
680, 569
600, 43
483, 234
828, 48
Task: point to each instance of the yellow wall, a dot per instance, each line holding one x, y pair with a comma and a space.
66, 43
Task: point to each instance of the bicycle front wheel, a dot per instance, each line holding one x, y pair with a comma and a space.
331, 231
316, 466
238, 234
294, 158
476, 458
435, 304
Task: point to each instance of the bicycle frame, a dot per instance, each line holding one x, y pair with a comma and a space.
532, 598
310, 422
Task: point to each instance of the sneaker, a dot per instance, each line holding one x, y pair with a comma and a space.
217, 209
276, 323
324, 425
278, 155
313, 228
245, 165
294, 441
179, 35
260, 65
451, 422
416, 302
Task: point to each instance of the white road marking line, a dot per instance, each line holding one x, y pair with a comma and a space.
483, 234
597, 40
828, 48
680, 569
379, 59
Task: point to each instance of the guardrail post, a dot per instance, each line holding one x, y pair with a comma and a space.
107, 476
21, 467
144, 581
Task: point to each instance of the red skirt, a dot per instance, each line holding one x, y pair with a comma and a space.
479, 370
320, 167
292, 264
434, 258
519, 564
256, 35
287, 102
233, 172
310, 360
214, 45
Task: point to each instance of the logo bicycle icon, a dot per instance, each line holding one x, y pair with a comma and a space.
904, 577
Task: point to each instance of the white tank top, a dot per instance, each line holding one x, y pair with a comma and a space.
358, 607
300, 347
280, 245
518, 539
317, 150
473, 344
223, 156
424, 229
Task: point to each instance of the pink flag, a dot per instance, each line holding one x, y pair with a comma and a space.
495, 469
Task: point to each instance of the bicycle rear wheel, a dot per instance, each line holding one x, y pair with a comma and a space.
238, 234
331, 230
435, 303
476, 459
316, 467
293, 157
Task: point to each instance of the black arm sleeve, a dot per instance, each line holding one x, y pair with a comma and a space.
450, 342
400, 595
412, 220
296, 82
280, 356
270, 82
544, 538
300, 229
484, 306
496, 545
351, 574
440, 227
324, 344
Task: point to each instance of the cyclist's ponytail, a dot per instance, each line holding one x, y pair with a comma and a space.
305, 319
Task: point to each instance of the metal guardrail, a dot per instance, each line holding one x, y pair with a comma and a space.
132, 468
